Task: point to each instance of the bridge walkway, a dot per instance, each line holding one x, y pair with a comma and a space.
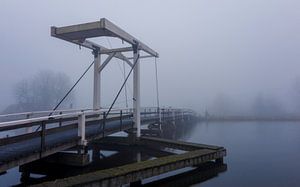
27, 147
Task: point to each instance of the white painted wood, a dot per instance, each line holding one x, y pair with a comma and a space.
46, 112
96, 29
127, 37
127, 60
123, 49
180, 112
94, 46
144, 56
136, 94
81, 129
38, 119
97, 82
107, 60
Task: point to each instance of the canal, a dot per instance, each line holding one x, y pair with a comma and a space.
258, 154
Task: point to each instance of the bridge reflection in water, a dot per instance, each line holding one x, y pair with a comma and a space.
106, 156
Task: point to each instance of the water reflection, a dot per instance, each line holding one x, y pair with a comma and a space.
106, 156
207, 171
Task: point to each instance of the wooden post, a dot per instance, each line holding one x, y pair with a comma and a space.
81, 129
136, 92
97, 80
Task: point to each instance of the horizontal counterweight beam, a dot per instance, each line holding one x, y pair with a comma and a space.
108, 51
104, 27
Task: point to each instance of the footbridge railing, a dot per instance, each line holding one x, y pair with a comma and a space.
20, 126
27, 139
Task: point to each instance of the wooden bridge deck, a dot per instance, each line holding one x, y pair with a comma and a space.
30, 149
22, 149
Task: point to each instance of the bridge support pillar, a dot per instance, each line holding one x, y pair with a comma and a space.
136, 92
96, 153
132, 137
97, 80
139, 156
81, 129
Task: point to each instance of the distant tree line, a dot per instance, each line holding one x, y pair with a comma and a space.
41, 92
262, 105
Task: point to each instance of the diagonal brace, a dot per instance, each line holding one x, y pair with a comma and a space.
121, 56
107, 60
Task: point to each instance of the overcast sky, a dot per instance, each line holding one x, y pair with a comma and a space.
207, 47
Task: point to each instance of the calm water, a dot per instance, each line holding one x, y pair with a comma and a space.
258, 153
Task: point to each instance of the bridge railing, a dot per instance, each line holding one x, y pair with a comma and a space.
35, 114
70, 116
39, 127
57, 119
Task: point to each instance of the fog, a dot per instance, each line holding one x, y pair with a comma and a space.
220, 56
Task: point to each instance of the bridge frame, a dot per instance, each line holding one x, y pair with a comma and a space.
78, 34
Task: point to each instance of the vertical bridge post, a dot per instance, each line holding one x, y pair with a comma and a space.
28, 129
136, 91
97, 80
81, 129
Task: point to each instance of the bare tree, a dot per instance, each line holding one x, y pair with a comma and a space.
42, 92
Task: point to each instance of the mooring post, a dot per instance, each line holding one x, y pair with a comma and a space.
138, 156
81, 129
97, 80
96, 153
136, 91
